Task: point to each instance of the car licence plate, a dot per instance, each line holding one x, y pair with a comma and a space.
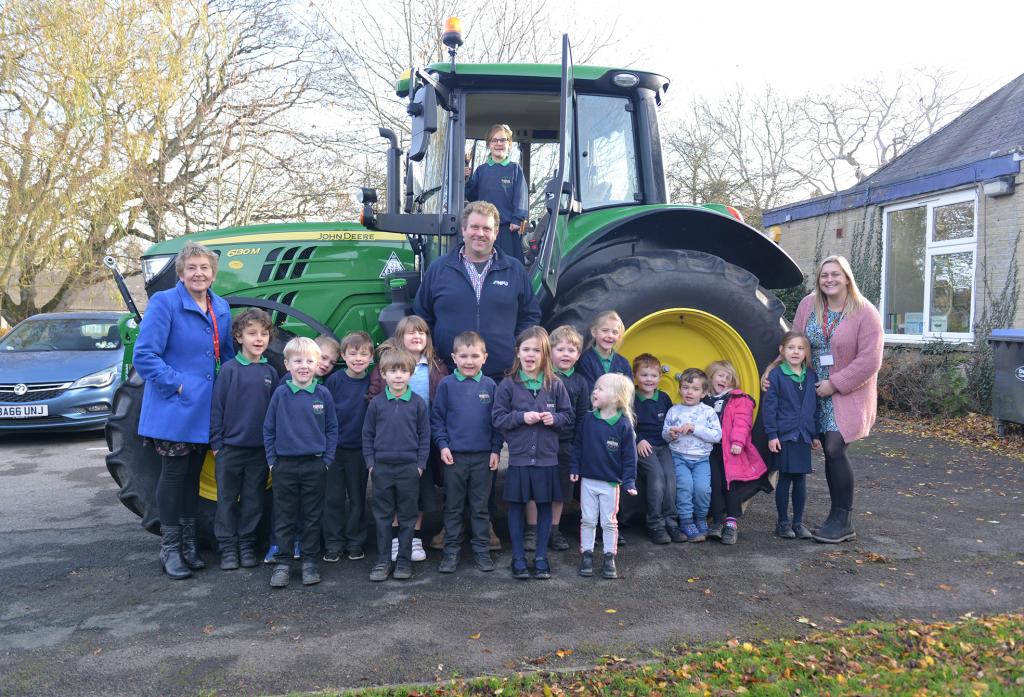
23, 411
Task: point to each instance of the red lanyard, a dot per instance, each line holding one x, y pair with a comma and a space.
830, 327
216, 332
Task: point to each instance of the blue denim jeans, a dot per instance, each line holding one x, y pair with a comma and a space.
693, 488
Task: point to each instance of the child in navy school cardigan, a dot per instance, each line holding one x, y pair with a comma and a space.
788, 413
604, 462
606, 332
460, 421
300, 435
501, 182
241, 396
531, 407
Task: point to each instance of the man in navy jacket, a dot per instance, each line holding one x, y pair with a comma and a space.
477, 287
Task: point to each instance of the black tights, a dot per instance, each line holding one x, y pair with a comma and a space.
177, 490
838, 471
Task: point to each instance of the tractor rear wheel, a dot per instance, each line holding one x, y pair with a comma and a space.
688, 308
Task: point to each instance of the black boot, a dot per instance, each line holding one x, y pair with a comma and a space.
188, 545
586, 564
608, 570
839, 529
170, 553
828, 519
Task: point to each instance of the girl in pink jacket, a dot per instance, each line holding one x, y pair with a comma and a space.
737, 469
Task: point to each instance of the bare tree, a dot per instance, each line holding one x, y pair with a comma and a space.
125, 122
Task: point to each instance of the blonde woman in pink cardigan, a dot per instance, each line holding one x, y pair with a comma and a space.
845, 331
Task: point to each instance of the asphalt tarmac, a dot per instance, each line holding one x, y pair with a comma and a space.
85, 610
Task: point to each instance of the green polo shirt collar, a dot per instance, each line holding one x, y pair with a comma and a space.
566, 373
406, 396
531, 383
240, 357
503, 163
612, 421
310, 388
793, 375
605, 362
460, 377
654, 395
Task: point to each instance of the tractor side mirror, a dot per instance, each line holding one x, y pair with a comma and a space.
423, 110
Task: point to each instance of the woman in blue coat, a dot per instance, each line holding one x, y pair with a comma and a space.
184, 337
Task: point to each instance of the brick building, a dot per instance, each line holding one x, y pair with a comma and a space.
935, 236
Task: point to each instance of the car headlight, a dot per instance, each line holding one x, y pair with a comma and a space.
152, 266
101, 378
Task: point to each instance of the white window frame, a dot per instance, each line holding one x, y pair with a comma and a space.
932, 249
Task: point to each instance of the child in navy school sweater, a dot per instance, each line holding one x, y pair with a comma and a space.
241, 396
300, 435
606, 332
396, 444
655, 462
501, 182
460, 421
604, 462
345, 499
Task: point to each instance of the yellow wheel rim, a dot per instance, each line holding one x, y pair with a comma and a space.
684, 338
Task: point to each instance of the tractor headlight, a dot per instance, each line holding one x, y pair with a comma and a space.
152, 266
99, 379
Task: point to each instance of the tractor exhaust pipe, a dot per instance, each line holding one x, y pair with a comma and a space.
394, 164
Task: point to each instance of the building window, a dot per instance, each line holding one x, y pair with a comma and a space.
928, 257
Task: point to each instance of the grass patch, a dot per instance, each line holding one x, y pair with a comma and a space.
971, 656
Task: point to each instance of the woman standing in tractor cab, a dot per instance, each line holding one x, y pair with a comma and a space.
501, 182
845, 331
184, 337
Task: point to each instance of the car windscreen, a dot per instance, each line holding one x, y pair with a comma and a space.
63, 335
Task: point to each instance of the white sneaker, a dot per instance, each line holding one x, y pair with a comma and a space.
394, 549
418, 553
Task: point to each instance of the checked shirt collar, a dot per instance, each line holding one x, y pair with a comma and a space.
476, 278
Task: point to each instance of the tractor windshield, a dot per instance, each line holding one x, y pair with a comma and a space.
607, 151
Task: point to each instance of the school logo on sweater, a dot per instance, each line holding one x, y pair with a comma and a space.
318, 407
485, 398
612, 444
550, 406
506, 181
267, 381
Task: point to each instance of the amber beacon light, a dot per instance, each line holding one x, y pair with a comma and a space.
452, 36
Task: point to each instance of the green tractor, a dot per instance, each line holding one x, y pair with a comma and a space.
690, 282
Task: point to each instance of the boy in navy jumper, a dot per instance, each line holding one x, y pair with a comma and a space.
606, 331
460, 421
345, 499
604, 462
300, 435
241, 396
654, 456
396, 444
501, 182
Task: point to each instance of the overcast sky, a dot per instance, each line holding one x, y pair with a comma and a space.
798, 46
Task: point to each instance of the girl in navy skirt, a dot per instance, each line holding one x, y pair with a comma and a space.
788, 412
531, 407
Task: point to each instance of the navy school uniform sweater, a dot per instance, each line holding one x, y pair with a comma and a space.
534, 445
650, 417
460, 415
299, 423
350, 402
396, 431
592, 368
605, 450
787, 412
241, 395
504, 186
579, 398
506, 307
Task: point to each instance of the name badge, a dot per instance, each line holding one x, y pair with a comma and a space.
826, 360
